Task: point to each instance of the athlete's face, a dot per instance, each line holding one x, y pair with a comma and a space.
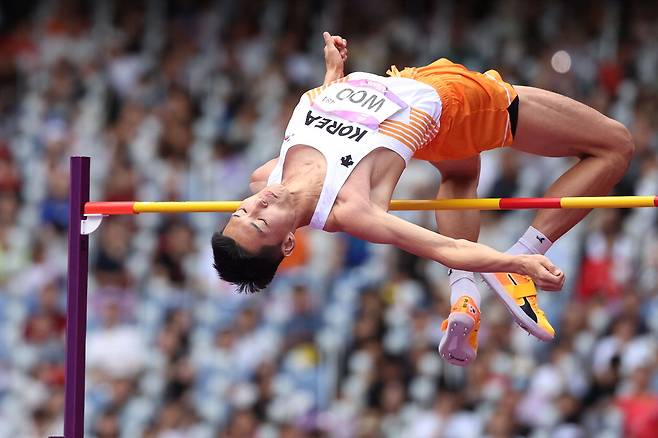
264, 219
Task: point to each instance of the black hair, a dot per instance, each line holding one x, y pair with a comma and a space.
248, 271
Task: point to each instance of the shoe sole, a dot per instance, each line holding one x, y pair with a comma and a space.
520, 317
454, 347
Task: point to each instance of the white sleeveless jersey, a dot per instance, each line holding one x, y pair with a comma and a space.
348, 118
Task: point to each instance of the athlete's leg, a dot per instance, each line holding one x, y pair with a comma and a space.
556, 126
459, 179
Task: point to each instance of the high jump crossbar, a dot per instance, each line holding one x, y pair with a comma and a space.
136, 207
85, 217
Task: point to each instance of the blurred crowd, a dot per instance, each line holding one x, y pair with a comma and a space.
181, 100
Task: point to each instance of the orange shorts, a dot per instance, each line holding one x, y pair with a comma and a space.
474, 116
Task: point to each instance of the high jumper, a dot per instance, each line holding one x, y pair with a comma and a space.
348, 142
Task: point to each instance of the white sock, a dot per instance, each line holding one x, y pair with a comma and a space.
463, 283
533, 241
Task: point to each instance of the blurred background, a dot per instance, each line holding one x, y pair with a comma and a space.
180, 100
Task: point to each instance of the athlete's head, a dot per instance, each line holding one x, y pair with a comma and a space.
256, 239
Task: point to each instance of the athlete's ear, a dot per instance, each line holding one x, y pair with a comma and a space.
288, 244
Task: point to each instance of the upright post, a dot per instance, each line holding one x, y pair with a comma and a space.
76, 307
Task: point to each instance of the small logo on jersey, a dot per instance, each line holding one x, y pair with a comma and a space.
334, 127
346, 161
541, 239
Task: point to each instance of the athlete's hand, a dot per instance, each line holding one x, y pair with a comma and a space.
545, 274
335, 55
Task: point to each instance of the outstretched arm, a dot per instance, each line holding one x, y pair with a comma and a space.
378, 226
335, 55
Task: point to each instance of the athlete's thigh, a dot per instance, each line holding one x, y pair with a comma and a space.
467, 168
553, 125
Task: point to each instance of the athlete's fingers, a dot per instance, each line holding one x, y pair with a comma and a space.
551, 282
550, 266
558, 277
562, 279
545, 274
548, 284
339, 41
328, 39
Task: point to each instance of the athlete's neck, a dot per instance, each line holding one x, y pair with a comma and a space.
303, 176
304, 197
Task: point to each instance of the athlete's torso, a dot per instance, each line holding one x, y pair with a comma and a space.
372, 181
352, 139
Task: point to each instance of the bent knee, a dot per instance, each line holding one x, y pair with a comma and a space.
462, 172
619, 142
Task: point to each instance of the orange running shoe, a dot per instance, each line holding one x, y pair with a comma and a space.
459, 344
519, 295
